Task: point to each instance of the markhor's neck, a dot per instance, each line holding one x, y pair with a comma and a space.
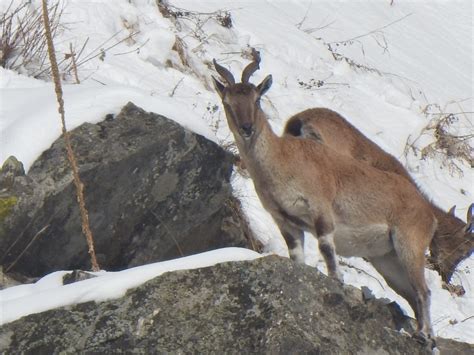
259, 150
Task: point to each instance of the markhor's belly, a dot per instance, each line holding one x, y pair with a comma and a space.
365, 241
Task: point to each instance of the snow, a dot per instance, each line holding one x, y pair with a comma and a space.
49, 292
410, 55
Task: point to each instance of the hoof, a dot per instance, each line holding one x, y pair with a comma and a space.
336, 275
424, 339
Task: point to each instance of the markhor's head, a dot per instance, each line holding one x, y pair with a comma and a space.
242, 100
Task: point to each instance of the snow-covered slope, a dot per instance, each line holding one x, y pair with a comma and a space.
390, 66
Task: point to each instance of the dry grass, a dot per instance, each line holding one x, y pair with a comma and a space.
453, 150
67, 139
243, 224
23, 46
194, 20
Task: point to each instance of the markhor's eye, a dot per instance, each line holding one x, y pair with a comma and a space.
229, 108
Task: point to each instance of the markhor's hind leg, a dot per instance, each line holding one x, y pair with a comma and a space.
294, 238
403, 269
396, 276
325, 234
413, 261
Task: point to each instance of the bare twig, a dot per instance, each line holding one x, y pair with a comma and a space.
67, 139
376, 30
135, 50
180, 251
377, 34
41, 231
452, 113
100, 82
465, 319
175, 87
314, 29
299, 24
362, 271
99, 51
74, 66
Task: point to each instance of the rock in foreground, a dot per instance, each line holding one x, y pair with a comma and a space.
266, 306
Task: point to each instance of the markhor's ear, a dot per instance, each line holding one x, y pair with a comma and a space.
470, 219
452, 211
265, 85
219, 87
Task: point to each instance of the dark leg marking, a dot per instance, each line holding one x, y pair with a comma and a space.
294, 241
324, 229
290, 240
323, 226
298, 222
329, 255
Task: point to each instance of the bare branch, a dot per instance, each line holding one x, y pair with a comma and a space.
67, 139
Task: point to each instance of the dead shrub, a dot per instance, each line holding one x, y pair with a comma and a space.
194, 20
23, 44
451, 148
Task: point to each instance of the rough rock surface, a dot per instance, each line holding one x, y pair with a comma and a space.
154, 191
266, 306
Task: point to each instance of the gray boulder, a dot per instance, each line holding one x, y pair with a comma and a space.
154, 191
266, 306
